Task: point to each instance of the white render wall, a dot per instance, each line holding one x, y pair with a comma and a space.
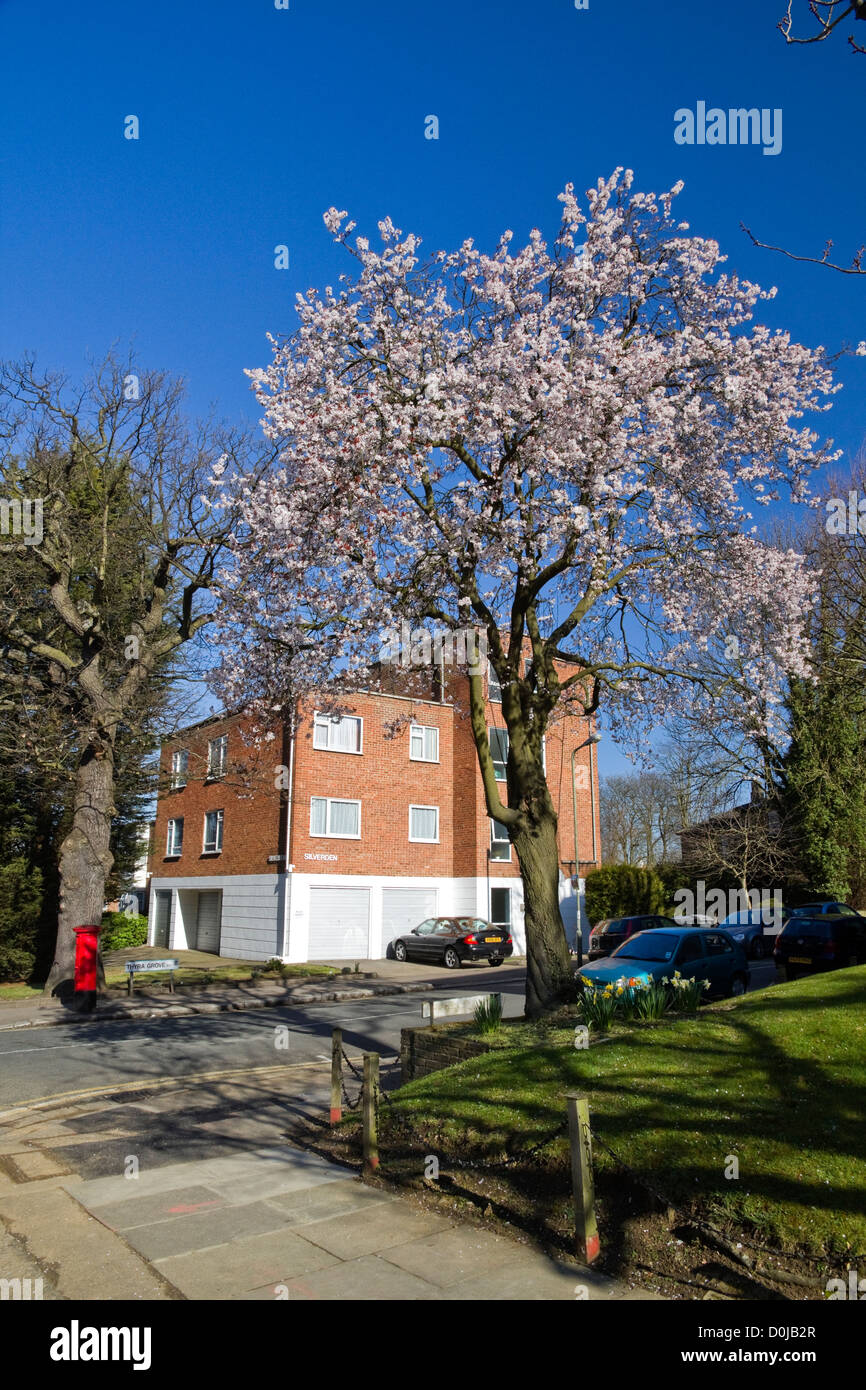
253, 908
251, 912
454, 896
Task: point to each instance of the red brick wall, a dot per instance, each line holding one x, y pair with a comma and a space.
247, 795
386, 782
383, 778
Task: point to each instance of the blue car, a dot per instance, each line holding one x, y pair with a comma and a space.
756, 930
654, 955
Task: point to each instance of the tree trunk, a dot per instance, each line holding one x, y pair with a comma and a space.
85, 862
549, 967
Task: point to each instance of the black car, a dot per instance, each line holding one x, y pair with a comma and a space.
807, 945
449, 941
613, 931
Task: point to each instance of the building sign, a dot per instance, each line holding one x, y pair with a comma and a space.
332, 858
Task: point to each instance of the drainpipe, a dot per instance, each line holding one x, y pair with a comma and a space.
592, 806
287, 880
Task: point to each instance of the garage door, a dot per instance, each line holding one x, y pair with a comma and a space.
403, 909
207, 932
162, 917
339, 923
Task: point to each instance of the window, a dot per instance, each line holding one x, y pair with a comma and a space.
423, 744
718, 946
494, 689
500, 844
500, 907
424, 824
498, 751
174, 839
341, 819
213, 832
217, 756
691, 948
337, 734
179, 766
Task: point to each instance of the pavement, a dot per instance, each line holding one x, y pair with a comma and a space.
100, 1197
373, 978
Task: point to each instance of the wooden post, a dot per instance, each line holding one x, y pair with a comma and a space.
585, 1228
371, 1090
336, 1076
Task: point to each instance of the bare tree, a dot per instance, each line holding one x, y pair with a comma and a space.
828, 15
104, 592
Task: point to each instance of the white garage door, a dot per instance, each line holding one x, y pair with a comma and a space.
403, 909
207, 933
339, 923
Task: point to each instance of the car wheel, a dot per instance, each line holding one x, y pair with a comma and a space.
738, 986
494, 960
451, 960
758, 948
399, 950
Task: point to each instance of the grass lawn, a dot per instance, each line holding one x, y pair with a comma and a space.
14, 993
777, 1078
116, 976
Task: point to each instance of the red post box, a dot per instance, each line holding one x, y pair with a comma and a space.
86, 958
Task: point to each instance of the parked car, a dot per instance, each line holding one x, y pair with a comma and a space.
807, 945
750, 930
449, 941
611, 932
821, 909
694, 952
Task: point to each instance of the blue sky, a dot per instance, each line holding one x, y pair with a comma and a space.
254, 120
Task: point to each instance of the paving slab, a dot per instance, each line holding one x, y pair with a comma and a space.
368, 1279
449, 1257
318, 1203
90, 1261
527, 1275
203, 1230
374, 1230
159, 1206
226, 1271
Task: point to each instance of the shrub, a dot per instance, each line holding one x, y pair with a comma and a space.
121, 933
20, 905
623, 890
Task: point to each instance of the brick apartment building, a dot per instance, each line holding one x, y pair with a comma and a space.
329, 845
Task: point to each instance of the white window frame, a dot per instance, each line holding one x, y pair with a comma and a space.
327, 722
502, 763
328, 834
217, 847
499, 859
422, 839
213, 773
423, 729
178, 777
170, 851
494, 689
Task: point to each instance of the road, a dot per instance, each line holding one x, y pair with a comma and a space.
37, 1063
